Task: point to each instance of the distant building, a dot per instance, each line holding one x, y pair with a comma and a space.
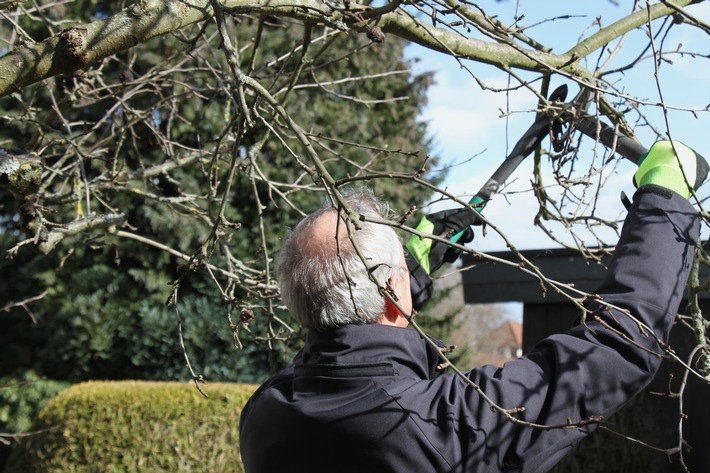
503, 344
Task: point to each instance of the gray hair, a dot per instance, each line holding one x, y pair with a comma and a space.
327, 285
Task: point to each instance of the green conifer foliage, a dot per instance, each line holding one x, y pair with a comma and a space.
188, 162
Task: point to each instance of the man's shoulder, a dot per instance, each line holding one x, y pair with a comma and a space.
280, 382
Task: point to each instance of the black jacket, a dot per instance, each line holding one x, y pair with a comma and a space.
367, 398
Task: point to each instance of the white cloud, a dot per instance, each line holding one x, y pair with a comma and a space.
465, 120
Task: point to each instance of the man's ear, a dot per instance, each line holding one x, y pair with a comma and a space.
392, 314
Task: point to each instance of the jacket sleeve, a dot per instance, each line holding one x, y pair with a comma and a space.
597, 366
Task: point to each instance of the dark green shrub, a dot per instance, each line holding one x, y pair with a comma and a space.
134, 426
21, 398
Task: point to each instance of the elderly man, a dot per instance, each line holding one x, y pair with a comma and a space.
365, 395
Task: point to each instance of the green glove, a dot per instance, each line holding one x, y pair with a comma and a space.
432, 254
662, 167
424, 255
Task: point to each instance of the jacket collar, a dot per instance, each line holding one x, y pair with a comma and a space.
369, 345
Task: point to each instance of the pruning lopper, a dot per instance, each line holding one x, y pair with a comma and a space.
425, 255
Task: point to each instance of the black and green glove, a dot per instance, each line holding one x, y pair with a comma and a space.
424, 255
672, 166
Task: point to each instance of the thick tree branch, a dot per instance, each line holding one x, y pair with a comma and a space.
46, 239
74, 50
437, 39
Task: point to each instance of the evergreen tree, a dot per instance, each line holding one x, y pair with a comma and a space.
158, 136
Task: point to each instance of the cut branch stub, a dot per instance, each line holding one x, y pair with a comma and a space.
21, 174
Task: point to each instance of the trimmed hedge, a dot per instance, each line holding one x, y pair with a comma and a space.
132, 426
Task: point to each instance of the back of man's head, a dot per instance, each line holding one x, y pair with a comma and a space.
322, 277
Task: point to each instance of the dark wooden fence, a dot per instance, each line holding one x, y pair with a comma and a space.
655, 416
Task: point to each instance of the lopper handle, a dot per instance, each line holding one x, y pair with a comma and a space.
622, 144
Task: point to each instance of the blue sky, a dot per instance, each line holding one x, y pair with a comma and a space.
466, 121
